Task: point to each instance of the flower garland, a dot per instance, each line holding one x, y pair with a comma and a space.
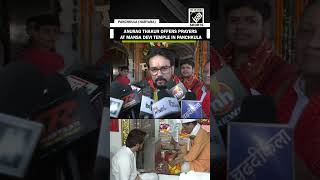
147, 48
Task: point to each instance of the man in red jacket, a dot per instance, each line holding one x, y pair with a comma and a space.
43, 31
123, 75
299, 99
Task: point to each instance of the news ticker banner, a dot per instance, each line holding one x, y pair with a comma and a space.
152, 30
260, 151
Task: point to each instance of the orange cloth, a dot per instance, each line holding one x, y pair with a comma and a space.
199, 154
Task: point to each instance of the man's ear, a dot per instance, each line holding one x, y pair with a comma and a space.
172, 70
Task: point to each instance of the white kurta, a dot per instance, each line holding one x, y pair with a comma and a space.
123, 165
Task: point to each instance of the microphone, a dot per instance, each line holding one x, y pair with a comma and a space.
22, 89
77, 83
118, 90
190, 96
190, 107
18, 140
146, 107
115, 107
66, 120
130, 100
130, 104
166, 106
257, 109
178, 91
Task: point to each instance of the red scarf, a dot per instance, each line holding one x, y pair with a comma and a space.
191, 83
258, 69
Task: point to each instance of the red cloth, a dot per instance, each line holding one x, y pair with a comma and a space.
215, 63
191, 83
205, 102
123, 79
307, 131
46, 61
263, 70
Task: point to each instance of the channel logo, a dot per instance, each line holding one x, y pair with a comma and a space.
223, 99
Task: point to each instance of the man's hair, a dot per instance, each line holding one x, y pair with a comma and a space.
189, 62
42, 20
121, 68
262, 7
136, 136
167, 53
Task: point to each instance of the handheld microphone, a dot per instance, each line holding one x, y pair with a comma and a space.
19, 138
115, 107
77, 83
166, 105
118, 90
191, 109
190, 96
258, 109
130, 100
22, 89
178, 91
146, 107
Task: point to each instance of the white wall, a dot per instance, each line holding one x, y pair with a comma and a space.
115, 141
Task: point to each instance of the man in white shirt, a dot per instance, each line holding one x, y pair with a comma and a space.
123, 163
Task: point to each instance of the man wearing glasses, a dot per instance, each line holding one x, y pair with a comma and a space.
161, 69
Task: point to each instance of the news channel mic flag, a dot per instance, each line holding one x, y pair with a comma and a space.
228, 93
260, 151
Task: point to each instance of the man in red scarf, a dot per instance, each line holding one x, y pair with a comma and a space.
43, 31
161, 69
299, 99
189, 80
248, 51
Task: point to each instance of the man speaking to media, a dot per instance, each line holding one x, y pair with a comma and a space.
161, 70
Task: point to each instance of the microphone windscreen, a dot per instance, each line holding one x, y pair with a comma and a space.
260, 109
170, 84
162, 94
56, 86
119, 90
190, 96
22, 88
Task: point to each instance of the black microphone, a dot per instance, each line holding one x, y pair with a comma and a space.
190, 107
167, 106
162, 94
22, 89
190, 96
258, 109
18, 141
118, 90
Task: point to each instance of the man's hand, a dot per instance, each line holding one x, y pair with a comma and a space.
178, 160
138, 177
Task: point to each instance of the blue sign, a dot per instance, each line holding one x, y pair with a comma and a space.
191, 109
260, 151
